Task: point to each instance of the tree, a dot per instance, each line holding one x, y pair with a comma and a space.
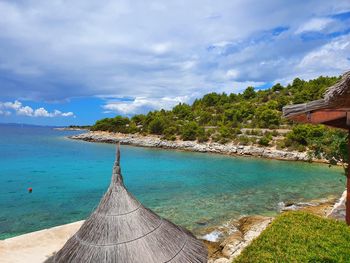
265, 140
268, 118
249, 93
189, 131
277, 87
182, 110
156, 126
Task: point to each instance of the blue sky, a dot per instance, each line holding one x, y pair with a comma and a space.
72, 62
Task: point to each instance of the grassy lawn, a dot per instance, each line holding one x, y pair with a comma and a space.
300, 237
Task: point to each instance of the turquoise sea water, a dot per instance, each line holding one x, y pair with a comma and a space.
69, 177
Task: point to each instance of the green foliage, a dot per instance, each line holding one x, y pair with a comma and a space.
189, 131
302, 133
183, 111
170, 133
225, 114
225, 134
323, 142
202, 135
243, 140
157, 126
300, 237
116, 124
265, 140
249, 93
268, 118
332, 146
277, 87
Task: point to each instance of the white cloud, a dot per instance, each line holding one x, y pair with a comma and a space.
315, 24
147, 50
161, 48
25, 111
68, 114
12, 105
232, 73
142, 105
331, 59
18, 108
41, 112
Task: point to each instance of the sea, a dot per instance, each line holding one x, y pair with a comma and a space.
194, 190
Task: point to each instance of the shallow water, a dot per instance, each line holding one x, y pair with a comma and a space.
192, 189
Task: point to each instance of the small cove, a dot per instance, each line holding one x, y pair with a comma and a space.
194, 190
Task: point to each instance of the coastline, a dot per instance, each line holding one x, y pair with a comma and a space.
224, 242
153, 141
69, 129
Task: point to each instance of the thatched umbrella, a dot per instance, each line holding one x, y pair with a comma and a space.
333, 110
122, 230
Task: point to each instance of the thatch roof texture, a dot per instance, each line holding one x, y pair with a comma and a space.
337, 97
122, 230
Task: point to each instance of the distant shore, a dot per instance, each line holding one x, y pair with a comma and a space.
209, 147
70, 129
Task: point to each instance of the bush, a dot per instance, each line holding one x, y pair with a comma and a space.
116, 124
156, 126
264, 141
274, 133
189, 131
243, 140
170, 137
202, 136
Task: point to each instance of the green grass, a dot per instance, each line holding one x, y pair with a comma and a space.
300, 237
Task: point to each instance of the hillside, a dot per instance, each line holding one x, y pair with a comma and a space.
253, 117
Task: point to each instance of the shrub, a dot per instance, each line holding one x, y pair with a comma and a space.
189, 131
202, 135
243, 140
156, 126
264, 141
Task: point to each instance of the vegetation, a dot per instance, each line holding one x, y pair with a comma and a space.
222, 117
300, 237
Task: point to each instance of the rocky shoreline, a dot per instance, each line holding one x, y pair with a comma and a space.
226, 242
210, 147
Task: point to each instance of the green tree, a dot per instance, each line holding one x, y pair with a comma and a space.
189, 131
183, 111
249, 93
157, 126
268, 118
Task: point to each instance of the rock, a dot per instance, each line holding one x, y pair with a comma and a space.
338, 210
231, 244
249, 229
222, 260
214, 249
156, 141
202, 222
235, 236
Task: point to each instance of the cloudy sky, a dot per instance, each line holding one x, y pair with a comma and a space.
72, 62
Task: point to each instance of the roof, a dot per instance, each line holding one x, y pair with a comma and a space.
331, 110
121, 229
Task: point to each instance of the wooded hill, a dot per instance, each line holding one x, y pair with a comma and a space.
240, 118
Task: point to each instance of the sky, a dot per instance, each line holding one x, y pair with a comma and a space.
73, 62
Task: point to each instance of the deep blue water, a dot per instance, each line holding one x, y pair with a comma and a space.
69, 177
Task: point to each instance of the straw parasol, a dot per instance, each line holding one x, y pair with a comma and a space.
122, 230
